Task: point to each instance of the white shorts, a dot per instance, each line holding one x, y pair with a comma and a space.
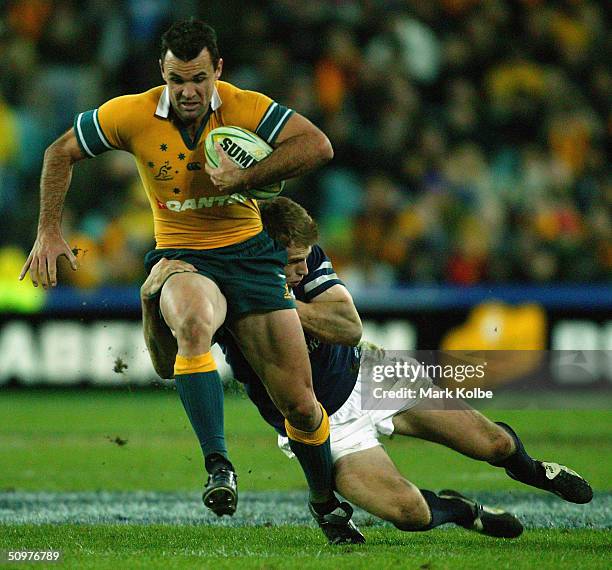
353, 429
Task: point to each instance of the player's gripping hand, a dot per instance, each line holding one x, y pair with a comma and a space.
42, 261
160, 273
227, 177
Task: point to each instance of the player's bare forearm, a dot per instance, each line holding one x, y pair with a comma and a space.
300, 148
334, 322
293, 157
159, 339
54, 183
55, 180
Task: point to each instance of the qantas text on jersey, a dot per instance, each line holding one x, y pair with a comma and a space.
203, 202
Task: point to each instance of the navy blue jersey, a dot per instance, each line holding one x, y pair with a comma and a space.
334, 367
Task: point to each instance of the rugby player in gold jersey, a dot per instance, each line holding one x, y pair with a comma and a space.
240, 280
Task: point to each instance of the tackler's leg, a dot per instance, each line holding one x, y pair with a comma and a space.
370, 480
469, 432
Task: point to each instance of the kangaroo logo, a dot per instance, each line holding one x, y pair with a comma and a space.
164, 170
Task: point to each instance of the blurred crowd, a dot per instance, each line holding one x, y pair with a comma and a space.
471, 136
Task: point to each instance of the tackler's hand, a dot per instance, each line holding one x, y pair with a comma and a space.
160, 273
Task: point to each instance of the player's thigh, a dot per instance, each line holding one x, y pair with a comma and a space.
371, 480
461, 428
186, 296
273, 343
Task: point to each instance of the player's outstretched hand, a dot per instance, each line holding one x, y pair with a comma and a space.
227, 177
160, 272
42, 261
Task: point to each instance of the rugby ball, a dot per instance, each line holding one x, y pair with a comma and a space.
244, 149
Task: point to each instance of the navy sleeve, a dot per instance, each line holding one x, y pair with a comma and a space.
321, 276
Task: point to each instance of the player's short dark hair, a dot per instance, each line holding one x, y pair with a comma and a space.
187, 38
288, 223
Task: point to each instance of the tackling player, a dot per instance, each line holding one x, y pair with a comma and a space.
238, 278
364, 473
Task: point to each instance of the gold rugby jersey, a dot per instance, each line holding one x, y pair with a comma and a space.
188, 211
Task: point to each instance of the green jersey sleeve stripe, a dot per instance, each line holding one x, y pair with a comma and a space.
89, 134
269, 111
273, 121
280, 124
79, 134
100, 132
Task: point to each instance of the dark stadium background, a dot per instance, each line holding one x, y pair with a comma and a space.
468, 206
470, 166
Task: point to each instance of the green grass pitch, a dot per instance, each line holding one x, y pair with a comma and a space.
118, 442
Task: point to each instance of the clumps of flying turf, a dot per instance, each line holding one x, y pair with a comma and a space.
120, 366
117, 440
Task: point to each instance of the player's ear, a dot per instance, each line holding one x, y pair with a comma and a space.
219, 68
161, 68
